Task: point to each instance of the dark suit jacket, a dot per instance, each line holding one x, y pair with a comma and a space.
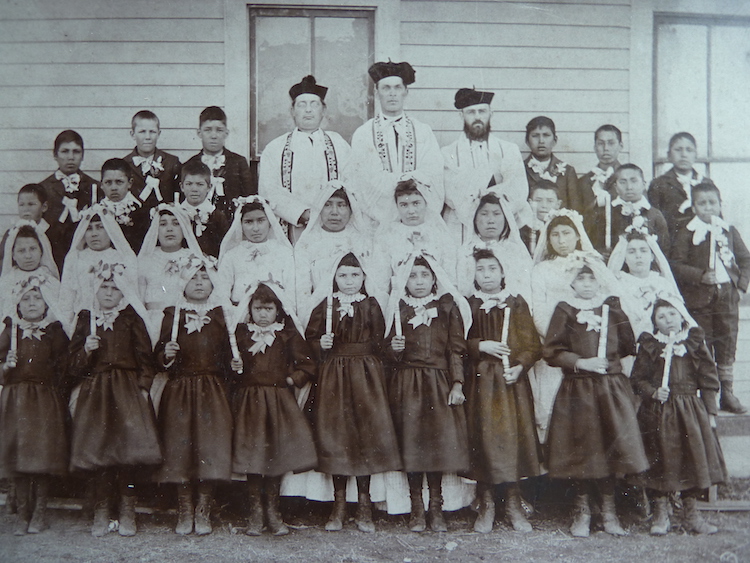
237, 181
667, 194
567, 183
169, 179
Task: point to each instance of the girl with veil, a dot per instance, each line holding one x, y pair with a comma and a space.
427, 322
563, 240
255, 248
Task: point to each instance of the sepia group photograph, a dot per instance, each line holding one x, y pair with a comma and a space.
374, 280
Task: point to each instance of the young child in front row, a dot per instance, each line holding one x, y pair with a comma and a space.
428, 347
712, 266
114, 427
229, 173
630, 207
156, 173
542, 164
133, 218
593, 433
195, 422
676, 424
499, 406
34, 439
208, 222
271, 434
354, 432
68, 192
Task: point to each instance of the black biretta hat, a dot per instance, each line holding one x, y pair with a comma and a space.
466, 97
308, 86
381, 70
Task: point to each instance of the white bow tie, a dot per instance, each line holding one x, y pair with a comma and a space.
214, 162
701, 229
195, 322
263, 336
423, 316
70, 183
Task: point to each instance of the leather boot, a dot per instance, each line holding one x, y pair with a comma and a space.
486, 516
660, 523
435, 510
273, 514
728, 401
127, 526
514, 511
364, 506
581, 526
417, 521
185, 510
203, 510
693, 520
609, 517
102, 488
23, 506
254, 498
336, 521
39, 518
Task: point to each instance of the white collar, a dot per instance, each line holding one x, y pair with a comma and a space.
387, 119
640, 204
419, 301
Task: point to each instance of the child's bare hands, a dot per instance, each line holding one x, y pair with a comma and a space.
289, 381
236, 364
494, 348
11, 360
512, 374
456, 396
597, 365
709, 277
326, 341
661, 394
398, 343
171, 349
92, 343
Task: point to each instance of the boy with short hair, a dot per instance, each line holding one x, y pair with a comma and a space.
32, 204
156, 174
629, 207
600, 179
230, 174
209, 223
131, 216
712, 266
68, 192
544, 196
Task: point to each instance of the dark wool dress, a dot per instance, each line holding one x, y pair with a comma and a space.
195, 423
33, 413
353, 428
431, 434
114, 421
593, 432
503, 445
681, 446
271, 434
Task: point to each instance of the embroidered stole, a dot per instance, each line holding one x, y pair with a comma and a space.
287, 161
409, 162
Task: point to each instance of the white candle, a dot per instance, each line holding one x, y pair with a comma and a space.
711, 251
607, 221
14, 336
397, 320
329, 314
93, 194
175, 323
92, 322
504, 337
668, 351
602, 352
532, 241
232, 338
176, 197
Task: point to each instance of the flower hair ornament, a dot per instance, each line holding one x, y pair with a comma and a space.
235, 237
541, 253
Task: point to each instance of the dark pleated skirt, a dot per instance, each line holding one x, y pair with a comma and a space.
594, 432
33, 430
681, 446
114, 423
195, 425
432, 435
271, 435
503, 446
353, 428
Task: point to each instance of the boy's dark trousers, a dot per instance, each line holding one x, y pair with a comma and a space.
719, 318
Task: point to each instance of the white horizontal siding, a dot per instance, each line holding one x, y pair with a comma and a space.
568, 60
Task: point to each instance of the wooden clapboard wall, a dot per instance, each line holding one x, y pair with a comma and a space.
566, 59
89, 65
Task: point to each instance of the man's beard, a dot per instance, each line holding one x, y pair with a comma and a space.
482, 136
